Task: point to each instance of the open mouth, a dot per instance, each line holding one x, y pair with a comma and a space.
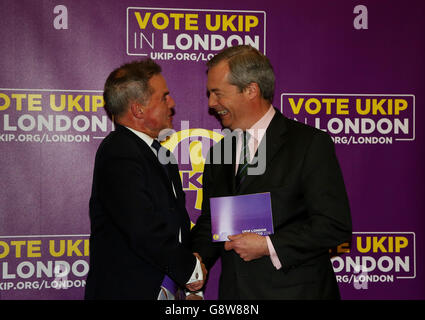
222, 112
170, 116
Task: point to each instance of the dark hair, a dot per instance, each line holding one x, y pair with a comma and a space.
129, 83
247, 65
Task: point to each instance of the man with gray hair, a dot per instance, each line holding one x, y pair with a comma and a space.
139, 242
309, 203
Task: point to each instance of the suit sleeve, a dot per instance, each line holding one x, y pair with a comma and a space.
328, 221
127, 200
201, 232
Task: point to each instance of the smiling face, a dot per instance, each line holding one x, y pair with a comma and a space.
230, 104
158, 112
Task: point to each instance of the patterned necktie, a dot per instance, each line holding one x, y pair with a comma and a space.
243, 159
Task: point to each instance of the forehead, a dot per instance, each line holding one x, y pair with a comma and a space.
217, 75
158, 84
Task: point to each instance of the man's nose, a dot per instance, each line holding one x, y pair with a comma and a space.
212, 100
171, 102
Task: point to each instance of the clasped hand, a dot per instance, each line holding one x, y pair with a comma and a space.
249, 246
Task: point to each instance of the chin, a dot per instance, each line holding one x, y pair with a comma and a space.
168, 124
230, 126
225, 123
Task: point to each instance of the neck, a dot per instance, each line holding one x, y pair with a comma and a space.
129, 121
257, 113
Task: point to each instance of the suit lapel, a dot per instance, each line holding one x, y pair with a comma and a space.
230, 169
275, 136
273, 142
222, 159
147, 151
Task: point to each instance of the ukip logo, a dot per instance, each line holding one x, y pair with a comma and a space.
190, 148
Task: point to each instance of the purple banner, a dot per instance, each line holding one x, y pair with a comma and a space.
354, 70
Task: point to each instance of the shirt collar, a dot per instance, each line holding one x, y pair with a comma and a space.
259, 128
147, 139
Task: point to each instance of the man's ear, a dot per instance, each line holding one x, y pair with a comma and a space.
136, 109
252, 90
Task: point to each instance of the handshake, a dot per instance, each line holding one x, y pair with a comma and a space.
197, 280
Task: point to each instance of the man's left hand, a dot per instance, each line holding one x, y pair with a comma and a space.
249, 246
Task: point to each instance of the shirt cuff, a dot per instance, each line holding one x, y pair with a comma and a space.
273, 255
197, 274
196, 293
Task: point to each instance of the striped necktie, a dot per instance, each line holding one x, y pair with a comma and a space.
243, 159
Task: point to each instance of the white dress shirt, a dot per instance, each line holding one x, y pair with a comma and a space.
256, 134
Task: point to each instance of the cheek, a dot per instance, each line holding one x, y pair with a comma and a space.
238, 107
232, 108
153, 123
158, 118
151, 119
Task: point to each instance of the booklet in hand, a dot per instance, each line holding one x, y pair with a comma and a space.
239, 214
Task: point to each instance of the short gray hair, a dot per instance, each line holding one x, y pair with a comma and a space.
247, 65
129, 83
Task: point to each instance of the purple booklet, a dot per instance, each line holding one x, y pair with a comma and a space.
238, 214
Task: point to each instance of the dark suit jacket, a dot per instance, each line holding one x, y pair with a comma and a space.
310, 215
135, 221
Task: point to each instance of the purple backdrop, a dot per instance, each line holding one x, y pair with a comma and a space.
354, 69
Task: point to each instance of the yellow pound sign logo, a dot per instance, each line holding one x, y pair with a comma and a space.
190, 147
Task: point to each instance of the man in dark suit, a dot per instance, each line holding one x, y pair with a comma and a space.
139, 242
295, 163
